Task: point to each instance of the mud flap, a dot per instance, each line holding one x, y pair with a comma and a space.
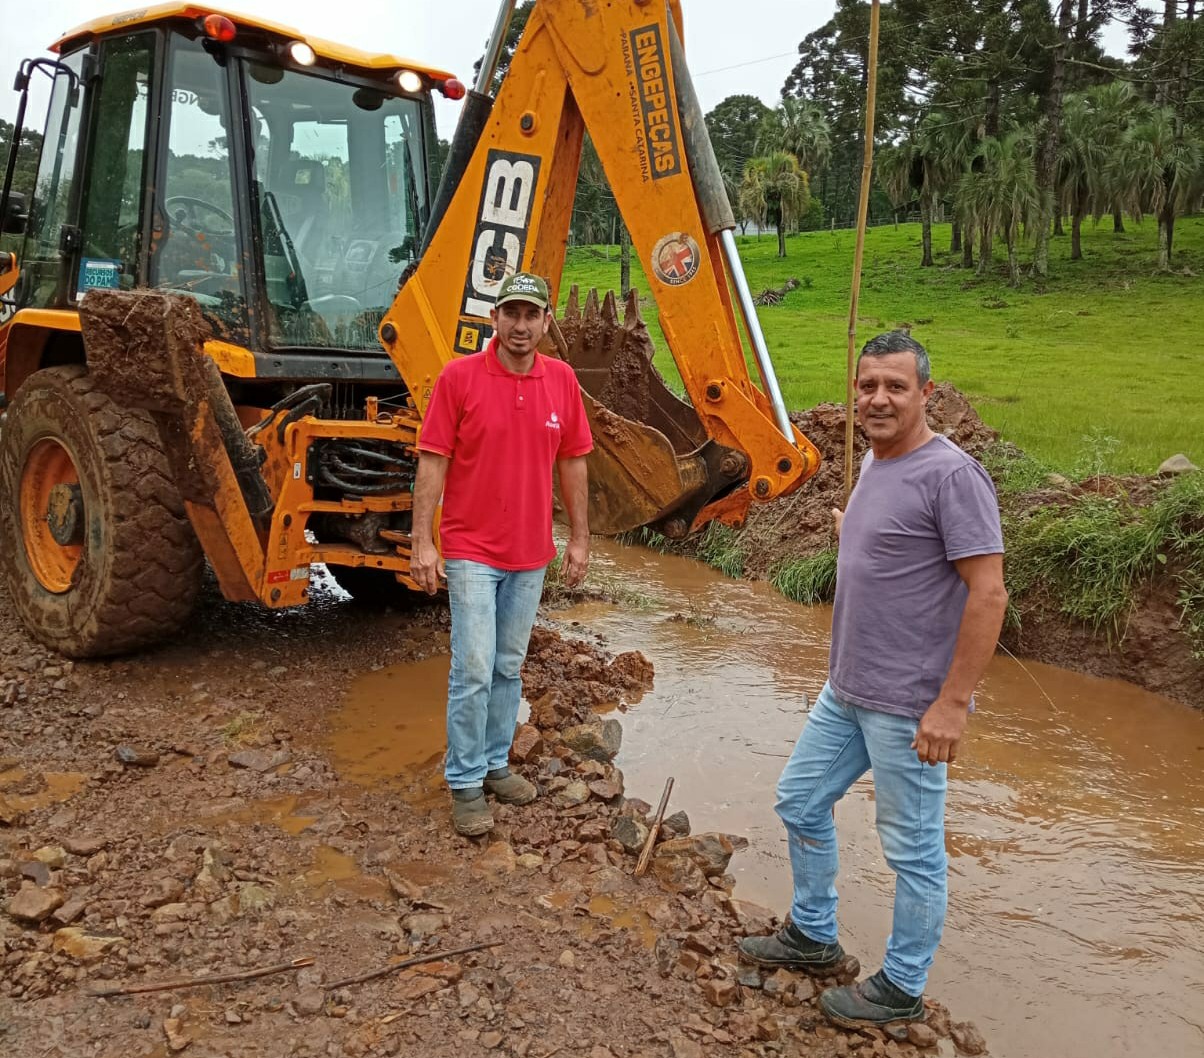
145, 349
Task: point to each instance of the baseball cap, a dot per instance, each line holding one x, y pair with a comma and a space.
523, 286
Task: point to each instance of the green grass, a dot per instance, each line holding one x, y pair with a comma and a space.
1093, 369
807, 580
720, 547
1091, 556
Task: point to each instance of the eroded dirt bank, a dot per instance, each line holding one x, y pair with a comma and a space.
1154, 651
191, 812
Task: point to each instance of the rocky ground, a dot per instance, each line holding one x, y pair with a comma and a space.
178, 814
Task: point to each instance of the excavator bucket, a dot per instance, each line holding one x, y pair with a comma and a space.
650, 462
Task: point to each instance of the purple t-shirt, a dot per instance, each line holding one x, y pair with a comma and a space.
899, 598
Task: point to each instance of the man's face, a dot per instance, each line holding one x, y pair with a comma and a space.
520, 325
890, 399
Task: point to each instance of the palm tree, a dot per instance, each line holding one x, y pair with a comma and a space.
893, 166
1080, 167
1094, 126
947, 140
775, 191
1117, 107
805, 133
1158, 171
999, 194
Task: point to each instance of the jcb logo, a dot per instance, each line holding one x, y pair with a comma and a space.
498, 243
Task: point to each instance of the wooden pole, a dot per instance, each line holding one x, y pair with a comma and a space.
641, 864
434, 956
863, 205
211, 979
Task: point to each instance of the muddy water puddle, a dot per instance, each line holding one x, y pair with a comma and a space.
391, 726
1075, 831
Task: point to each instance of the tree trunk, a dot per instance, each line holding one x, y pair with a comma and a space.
624, 259
1118, 221
781, 240
926, 231
1076, 228
1013, 261
1058, 229
1166, 237
984, 252
1047, 150
968, 249
955, 237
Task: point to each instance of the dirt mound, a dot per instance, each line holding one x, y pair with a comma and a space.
565, 679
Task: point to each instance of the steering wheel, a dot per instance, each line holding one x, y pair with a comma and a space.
187, 212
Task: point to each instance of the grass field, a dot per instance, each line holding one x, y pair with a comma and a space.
1095, 370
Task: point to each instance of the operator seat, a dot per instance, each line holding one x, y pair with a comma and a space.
302, 197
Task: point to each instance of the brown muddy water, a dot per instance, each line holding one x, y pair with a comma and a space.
1075, 820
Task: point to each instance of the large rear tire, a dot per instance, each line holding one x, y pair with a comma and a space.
98, 554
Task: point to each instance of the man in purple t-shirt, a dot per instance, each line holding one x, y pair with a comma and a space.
919, 604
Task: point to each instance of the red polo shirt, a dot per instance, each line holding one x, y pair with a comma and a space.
503, 432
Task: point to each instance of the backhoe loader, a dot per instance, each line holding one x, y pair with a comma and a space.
225, 303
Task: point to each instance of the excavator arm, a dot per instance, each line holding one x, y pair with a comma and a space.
614, 69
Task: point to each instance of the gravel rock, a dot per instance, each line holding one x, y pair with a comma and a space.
136, 756
33, 903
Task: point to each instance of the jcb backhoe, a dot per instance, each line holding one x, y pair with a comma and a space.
233, 288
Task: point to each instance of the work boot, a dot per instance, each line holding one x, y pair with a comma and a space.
470, 812
874, 1001
791, 948
508, 788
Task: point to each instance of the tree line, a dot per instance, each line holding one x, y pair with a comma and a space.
1002, 116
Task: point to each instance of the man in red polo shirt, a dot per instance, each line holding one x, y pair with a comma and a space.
496, 424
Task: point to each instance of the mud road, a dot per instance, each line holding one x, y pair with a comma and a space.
267, 788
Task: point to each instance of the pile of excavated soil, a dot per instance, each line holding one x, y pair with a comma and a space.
1153, 652
181, 813
565, 680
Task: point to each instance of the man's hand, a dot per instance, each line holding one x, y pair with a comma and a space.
940, 732
426, 566
576, 561
838, 518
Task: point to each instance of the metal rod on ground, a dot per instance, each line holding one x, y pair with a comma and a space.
433, 957
863, 204
211, 979
641, 864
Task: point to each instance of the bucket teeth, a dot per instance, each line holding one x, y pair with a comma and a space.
631, 310
591, 304
572, 310
610, 311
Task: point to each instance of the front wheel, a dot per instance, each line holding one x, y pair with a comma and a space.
98, 554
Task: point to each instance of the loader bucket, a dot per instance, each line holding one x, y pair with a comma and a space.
652, 460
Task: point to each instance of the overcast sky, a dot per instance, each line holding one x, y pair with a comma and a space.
760, 42
733, 46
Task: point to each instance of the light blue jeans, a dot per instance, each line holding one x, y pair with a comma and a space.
492, 611
838, 745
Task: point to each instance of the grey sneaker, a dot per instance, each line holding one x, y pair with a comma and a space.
791, 948
471, 815
874, 1001
511, 789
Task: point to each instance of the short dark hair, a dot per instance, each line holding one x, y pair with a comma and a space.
899, 342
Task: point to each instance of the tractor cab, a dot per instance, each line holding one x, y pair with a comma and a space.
282, 182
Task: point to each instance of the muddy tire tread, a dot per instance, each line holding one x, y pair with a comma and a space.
153, 573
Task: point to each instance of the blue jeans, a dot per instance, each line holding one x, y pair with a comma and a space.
492, 611
838, 744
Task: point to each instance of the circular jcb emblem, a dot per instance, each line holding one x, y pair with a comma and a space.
675, 258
